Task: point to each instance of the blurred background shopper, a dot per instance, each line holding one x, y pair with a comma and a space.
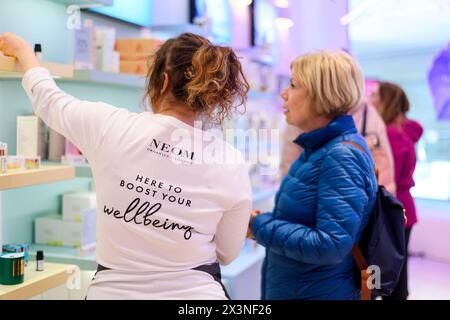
370, 125
393, 105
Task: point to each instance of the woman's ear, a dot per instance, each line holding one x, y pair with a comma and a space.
165, 83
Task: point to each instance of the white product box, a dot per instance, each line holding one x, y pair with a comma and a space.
56, 145
31, 136
80, 234
49, 230
105, 40
75, 203
85, 46
52, 230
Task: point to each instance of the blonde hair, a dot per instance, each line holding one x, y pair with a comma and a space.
333, 80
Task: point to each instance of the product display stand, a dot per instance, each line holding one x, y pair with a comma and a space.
54, 274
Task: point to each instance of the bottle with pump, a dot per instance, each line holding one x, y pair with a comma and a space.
40, 260
38, 51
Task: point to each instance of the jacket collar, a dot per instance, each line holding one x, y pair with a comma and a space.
311, 141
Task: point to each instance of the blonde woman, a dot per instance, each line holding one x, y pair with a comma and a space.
324, 202
165, 217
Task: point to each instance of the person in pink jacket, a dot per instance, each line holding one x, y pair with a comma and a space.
403, 133
370, 125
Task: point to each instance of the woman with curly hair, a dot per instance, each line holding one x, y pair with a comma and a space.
166, 217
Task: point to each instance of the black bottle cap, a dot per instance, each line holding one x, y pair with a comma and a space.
40, 255
37, 47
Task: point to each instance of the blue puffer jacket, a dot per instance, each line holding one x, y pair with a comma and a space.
321, 208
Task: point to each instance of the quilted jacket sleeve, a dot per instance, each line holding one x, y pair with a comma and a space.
341, 202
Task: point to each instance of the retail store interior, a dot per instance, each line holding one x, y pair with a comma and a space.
49, 205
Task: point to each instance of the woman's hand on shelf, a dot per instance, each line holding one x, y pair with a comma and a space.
14, 46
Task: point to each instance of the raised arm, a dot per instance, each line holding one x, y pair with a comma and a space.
83, 123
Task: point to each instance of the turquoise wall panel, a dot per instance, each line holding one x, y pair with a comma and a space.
13, 102
44, 21
40, 21
22, 206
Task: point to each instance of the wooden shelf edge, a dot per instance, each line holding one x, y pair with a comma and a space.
26, 178
36, 284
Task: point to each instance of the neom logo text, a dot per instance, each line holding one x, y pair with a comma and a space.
167, 148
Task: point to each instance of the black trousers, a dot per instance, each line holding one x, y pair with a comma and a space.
401, 290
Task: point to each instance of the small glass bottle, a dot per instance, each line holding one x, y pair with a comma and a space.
38, 51
40, 260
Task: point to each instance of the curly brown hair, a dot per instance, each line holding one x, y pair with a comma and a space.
207, 77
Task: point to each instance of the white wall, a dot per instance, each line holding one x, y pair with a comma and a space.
170, 12
316, 27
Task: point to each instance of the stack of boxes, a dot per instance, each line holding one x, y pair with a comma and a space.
30, 146
135, 54
76, 226
106, 58
3, 157
31, 137
96, 47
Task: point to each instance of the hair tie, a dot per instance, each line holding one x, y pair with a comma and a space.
189, 73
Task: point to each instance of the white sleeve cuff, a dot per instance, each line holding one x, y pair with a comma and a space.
32, 77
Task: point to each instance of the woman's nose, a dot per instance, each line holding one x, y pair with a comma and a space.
283, 95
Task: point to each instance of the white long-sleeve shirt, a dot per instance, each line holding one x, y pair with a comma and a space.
163, 205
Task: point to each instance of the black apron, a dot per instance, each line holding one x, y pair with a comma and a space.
212, 269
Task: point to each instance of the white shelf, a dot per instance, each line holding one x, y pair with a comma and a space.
25, 178
123, 80
10, 75
91, 76
107, 78
86, 3
36, 282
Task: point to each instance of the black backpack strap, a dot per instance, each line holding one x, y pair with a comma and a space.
366, 293
363, 129
355, 145
359, 258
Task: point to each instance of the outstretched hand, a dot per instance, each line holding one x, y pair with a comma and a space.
14, 46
